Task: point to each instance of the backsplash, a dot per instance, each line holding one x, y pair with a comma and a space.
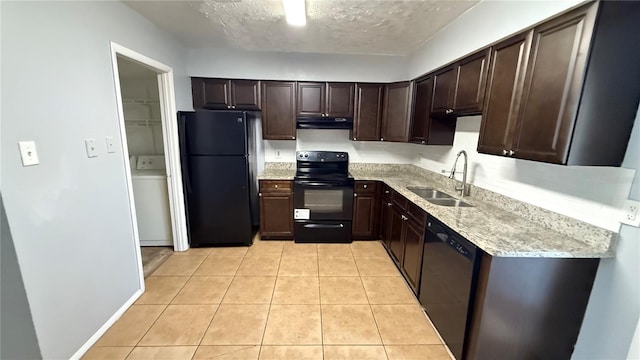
338, 140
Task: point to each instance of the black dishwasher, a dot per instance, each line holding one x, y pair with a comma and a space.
449, 274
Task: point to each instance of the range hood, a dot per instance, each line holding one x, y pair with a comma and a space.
324, 123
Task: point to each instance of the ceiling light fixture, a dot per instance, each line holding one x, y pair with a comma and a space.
295, 12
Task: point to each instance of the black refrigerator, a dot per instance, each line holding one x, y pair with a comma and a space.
219, 169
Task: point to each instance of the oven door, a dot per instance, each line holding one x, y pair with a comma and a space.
323, 200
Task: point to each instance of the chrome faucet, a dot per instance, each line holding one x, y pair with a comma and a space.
464, 188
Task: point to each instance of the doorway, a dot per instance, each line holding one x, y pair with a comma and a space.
149, 137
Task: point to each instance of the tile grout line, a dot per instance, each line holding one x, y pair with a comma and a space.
264, 331
220, 304
169, 303
320, 301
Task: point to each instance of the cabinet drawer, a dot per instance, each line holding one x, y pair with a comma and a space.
416, 214
366, 186
278, 186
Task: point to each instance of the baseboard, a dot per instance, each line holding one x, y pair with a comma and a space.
103, 329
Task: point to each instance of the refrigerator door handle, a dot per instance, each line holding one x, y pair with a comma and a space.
185, 173
183, 149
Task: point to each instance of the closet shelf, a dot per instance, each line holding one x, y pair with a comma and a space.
140, 101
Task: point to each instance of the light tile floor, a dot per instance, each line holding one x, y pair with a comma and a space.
274, 300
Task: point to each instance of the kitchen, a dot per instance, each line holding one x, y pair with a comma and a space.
501, 172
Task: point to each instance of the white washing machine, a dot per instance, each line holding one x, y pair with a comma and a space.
151, 198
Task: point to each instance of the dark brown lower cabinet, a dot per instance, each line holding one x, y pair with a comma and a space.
396, 241
413, 249
402, 231
276, 209
366, 210
386, 207
529, 308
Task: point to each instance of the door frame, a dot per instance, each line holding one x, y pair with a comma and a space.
170, 143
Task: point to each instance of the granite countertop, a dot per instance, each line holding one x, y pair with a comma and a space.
497, 231
277, 174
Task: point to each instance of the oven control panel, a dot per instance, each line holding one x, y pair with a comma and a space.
322, 156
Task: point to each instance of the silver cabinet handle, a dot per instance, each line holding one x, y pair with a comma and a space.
293, 137
381, 139
422, 142
228, 106
389, 204
355, 195
259, 194
233, 106
354, 138
364, 186
404, 218
386, 191
276, 186
504, 152
511, 152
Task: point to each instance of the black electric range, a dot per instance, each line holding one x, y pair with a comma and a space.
322, 197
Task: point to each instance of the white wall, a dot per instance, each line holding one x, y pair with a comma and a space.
484, 24
69, 216
338, 140
581, 192
233, 63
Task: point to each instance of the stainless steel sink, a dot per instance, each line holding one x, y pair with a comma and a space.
449, 202
430, 193
438, 197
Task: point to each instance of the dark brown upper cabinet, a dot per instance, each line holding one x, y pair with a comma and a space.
279, 110
224, 94
425, 129
396, 111
325, 99
563, 111
368, 112
459, 89
504, 89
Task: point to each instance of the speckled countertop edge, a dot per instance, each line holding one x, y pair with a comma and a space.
499, 231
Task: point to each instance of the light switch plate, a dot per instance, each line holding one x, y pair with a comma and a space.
90, 145
28, 153
110, 146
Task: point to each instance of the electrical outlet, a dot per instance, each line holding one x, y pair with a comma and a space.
278, 156
630, 213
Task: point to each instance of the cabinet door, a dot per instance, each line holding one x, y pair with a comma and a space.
395, 112
276, 216
311, 99
386, 212
278, 110
426, 129
421, 110
245, 94
366, 213
504, 89
368, 112
340, 100
552, 87
396, 238
413, 249
443, 92
212, 94
471, 83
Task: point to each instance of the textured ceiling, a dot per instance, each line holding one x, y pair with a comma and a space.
382, 27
